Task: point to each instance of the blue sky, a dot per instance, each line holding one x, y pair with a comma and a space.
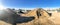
30, 3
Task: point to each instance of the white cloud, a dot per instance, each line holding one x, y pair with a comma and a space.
25, 8
51, 8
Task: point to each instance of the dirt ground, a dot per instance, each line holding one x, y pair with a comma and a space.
4, 23
54, 18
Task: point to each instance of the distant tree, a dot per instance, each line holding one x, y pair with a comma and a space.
20, 11
58, 10
13, 9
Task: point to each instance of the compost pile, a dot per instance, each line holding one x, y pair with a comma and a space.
34, 17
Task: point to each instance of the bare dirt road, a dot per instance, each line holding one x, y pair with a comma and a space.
55, 18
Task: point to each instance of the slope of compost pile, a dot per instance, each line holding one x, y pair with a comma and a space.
34, 17
41, 17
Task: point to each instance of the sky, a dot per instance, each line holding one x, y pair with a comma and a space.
30, 3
